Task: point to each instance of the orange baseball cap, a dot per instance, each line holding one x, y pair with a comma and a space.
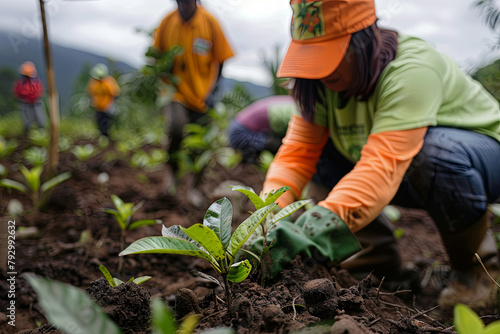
321, 32
28, 69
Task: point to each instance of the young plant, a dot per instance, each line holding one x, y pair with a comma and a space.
466, 321
83, 153
211, 241
272, 219
114, 282
38, 192
35, 156
7, 147
123, 215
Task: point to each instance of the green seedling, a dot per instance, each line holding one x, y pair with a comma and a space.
272, 219
211, 241
38, 192
123, 215
164, 321
7, 147
71, 310
35, 156
466, 321
83, 153
114, 282
39, 137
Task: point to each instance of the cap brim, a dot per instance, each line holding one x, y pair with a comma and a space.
313, 60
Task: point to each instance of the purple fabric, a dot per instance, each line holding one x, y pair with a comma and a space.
254, 117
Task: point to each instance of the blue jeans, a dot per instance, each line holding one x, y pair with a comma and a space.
453, 177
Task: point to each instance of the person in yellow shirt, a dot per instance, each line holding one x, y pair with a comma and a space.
198, 68
102, 89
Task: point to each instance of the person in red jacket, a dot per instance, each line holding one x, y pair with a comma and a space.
28, 90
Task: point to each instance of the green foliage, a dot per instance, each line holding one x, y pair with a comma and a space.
70, 309
207, 144
39, 137
84, 152
211, 241
164, 322
123, 214
466, 321
7, 147
35, 156
114, 282
8, 105
272, 65
271, 220
32, 186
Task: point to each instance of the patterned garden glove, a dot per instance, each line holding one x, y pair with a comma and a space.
318, 234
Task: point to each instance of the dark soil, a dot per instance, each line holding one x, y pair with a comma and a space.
301, 300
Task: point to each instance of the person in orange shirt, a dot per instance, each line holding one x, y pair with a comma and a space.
198, 68
384, 118
28, 90
102, 89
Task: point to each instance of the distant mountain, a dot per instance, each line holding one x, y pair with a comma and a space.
68, 64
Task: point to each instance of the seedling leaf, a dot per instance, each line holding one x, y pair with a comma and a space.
252, 196
239, 271
7, 183
492, 328
206, 238
117, 281
107, 275
218, 218
206, 276
189, 324
289, 209
55, 181
69, 308
140, 280
245, 229
162, 318
144, 222
273, 196
466, 320
165, 245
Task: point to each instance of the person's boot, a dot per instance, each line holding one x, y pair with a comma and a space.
469, 284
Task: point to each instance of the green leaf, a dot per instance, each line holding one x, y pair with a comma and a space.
117, 281
207, 238
162, 318
252, 196
206, 276
140, 280
493, 328
144, 222
189, 324
69, 308
289, 209
466, 321
107, 275
165, 245
273, 196
32, 176
245, 229
55, 181
239, 271
218, 218
11, 184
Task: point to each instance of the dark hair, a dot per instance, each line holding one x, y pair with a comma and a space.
373, 48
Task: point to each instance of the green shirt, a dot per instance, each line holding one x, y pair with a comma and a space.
420, 87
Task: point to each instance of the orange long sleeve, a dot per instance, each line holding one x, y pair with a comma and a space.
295, 163
361, 195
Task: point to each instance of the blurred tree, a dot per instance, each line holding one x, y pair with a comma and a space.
489, 76
491, 15
8, 104
272, 64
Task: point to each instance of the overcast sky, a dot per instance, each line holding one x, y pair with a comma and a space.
252, 27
